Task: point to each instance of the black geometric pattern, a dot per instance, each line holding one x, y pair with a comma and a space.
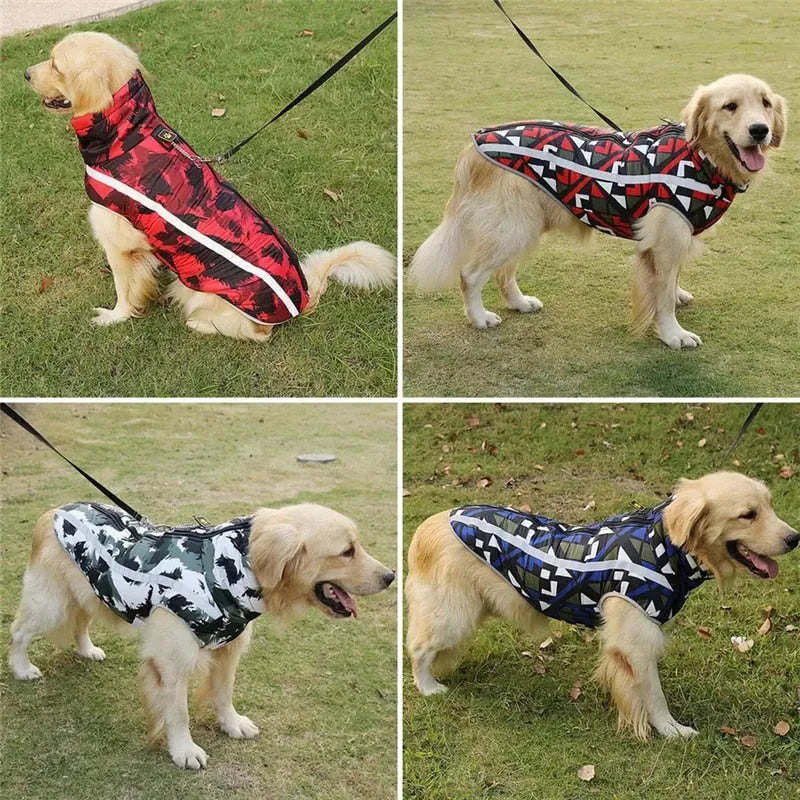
565, 571
200, 574
609, 180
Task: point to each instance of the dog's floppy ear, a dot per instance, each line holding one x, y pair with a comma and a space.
275, 548
685, 515
779, 120
89, 92
695, 115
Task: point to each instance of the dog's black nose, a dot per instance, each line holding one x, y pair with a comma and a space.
27, 74
759, 131
388, 578
792, 540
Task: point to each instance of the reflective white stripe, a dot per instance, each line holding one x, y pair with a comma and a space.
608, 177
576, 566
201, 238
140, 577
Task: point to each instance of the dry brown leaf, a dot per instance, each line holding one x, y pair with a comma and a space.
701, 443
558, 634
790, 628
586, 772
45, 284
303, 133
765, 627
539, 668
546, 643
525, 508
333, 195
782, 728
729, 731
484, 482
590, 505
705, 632
690, 417
748, 741
745, 645
527, 654
217, 112
473, 422
307, 32
580, 452
540, 467
786, 471
575, 692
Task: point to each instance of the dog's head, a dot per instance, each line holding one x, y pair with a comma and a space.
82, 74
726, 520
308, 555
735, 120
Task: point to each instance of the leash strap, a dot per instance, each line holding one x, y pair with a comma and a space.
329, 73
564, 82
23, 423
743, 430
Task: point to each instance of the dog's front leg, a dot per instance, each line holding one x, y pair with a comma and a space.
132, 264
219, 687
631, 647
170, 653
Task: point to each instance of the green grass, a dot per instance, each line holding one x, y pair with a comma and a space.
253, 54
465, 68
322, 692
505, 731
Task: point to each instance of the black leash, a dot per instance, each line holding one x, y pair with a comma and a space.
23, 423
329, 73
743, 430
564, 82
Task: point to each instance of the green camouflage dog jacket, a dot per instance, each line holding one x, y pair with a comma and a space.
200, 574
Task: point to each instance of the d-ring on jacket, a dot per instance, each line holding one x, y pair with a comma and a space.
198, 225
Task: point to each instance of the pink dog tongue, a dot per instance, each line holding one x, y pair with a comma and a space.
752, 157
764, 563
349, 602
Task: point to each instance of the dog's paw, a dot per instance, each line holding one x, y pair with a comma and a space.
200, 326
527, 303
189, 756
683, 298
239, 727
109, 316
681, 338
488, 319
674, 730
432, 688
93, 653
28, 673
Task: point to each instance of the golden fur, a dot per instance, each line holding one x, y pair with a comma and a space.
493, 217
292, 549
80, 77
450, 592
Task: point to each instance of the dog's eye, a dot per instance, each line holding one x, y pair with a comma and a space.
751, 514
766, 103
349, 553
53, 65
730, 107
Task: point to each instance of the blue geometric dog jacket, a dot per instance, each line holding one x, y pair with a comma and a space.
201, 575
566, 571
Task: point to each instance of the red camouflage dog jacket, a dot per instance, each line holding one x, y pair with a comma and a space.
199, 226
609, 180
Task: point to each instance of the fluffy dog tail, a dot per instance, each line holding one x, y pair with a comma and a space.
362, 265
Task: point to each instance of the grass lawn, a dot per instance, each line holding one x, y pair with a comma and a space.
508, 728
465, 68
323, 693
250, 57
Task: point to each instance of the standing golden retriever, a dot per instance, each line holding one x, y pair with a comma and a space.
293, 558
86, 74
493, 218
712, 527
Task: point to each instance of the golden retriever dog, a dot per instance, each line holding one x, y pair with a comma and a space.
714, 527
82, 77
493, 217
297, 557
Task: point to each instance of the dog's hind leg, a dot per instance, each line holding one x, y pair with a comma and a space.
132, 264
218, 687
170, 653
631, 645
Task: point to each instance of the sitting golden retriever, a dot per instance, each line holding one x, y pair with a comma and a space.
191, 591
628, 574
155, 201
661, 187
